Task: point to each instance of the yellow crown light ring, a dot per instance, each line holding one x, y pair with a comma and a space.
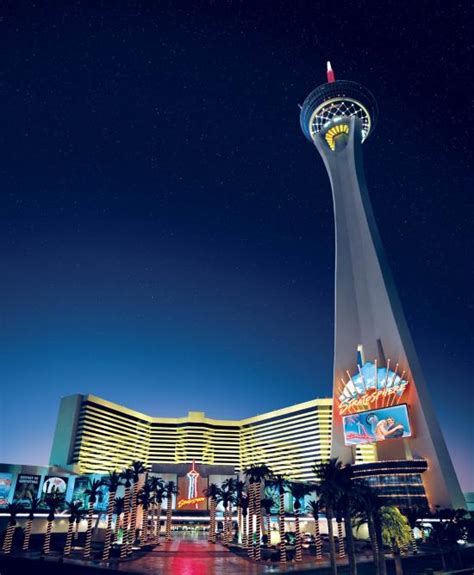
333, 133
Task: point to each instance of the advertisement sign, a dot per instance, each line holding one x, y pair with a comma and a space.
5, 486
26, 488
191, 491
79, 494
372, 387
376, 425
54, 484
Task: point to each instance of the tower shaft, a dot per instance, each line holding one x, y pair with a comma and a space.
368, 313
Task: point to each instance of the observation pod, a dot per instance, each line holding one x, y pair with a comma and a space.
380, 397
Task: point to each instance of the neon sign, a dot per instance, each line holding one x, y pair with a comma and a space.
371, 388
192, 476
191, 501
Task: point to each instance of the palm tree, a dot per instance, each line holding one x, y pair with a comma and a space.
73, 508
328, 491
80, 515
160, 494
251, 510
257, 473
33, 508
171, 489
396, 532
298, 492
229, 485
244, 505
348, 500
137, 467
368, 505
92, 492
267, 503
113, 481
13, 509
227, 497
280, 483
413, 514
145, 498
53, 501
314, 508
127, 476
118, 510
239, 494
212, 493
449, 528
156, 484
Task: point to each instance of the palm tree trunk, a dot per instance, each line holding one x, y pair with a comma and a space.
8, 541
244, 531
281, 525
108, 531
299, 551
398, 562
117, 525
67, 546
212, 512
380, 550
340, 540
88, 545
133, 518
351, 555
126, 516
374, 544
229, 524
317, 536
239, 523
76, 531
169, 503
413, 542
26, 540
47, 538
144, 526
250, 521
332, 546
158, 523
258, 515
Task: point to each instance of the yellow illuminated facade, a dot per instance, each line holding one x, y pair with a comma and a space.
95, 436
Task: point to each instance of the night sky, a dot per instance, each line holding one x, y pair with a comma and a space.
166, 231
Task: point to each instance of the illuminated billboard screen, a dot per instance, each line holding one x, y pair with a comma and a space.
376, 425
191, 490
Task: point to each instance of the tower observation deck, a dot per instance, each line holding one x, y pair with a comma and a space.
379, 392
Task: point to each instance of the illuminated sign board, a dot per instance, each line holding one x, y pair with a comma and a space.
191, 491
27, 487
371, 388
5, 486
376, 425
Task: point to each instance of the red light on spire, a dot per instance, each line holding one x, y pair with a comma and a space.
330, 73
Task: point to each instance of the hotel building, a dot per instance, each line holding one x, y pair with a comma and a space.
96, 436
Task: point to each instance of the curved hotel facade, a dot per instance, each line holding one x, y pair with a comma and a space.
95, 436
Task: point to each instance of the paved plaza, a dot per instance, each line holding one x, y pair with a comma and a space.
191, 554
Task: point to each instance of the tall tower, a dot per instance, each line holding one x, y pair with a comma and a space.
379, 394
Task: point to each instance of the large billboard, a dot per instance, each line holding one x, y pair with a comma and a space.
26, 488
79, 494
191, 489
5, 486
376, 425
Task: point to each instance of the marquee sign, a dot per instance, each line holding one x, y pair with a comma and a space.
371, 387
191, 489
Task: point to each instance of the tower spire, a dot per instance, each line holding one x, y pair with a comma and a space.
330, 73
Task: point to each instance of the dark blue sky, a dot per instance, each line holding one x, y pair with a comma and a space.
166, 231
